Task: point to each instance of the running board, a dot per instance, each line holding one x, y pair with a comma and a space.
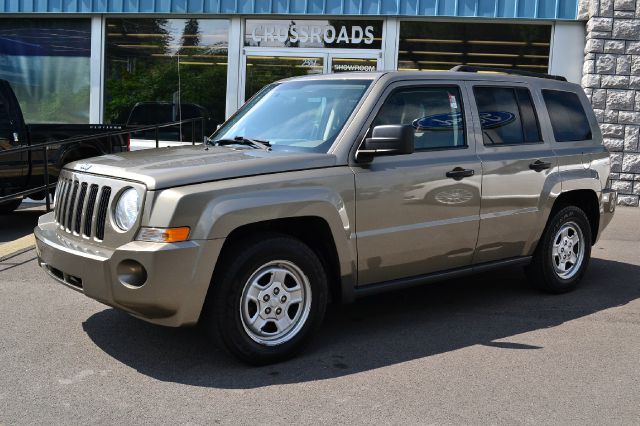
403, 283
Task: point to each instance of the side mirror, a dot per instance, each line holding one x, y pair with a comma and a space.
396, 139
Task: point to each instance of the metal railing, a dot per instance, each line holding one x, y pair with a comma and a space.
44, 147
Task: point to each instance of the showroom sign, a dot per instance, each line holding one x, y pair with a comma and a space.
306, 33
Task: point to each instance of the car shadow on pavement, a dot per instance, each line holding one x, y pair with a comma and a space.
374, 332
19, 223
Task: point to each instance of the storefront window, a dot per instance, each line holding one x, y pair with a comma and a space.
442, 45
46, 61
162, 70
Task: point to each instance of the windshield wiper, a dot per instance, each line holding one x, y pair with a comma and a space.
241, 140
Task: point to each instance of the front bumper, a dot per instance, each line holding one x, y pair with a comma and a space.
177, 274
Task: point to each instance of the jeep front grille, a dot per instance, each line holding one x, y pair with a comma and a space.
83, 193
76, 212
91, 203
102, 211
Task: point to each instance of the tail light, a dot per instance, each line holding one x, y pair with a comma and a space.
128, 136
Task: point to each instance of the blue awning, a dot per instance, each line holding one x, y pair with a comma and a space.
528, 9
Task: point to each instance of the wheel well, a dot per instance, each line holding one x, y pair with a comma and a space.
587, 201
311, 230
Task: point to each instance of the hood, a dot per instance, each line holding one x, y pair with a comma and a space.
175, 166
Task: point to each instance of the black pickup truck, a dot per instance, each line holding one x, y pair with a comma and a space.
24, 170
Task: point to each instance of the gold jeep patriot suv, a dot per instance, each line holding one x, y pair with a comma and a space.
335, 187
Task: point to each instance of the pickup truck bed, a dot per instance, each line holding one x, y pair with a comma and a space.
22, 171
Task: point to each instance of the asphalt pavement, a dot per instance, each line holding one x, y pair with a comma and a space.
21, 222
484, 349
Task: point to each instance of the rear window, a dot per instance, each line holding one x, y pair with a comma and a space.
568, 119
145, 114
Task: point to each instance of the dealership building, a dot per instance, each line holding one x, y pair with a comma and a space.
91, 61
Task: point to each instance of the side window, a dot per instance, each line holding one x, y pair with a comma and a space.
568, 119
435, 112
507, 115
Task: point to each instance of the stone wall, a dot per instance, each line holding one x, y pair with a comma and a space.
611, 79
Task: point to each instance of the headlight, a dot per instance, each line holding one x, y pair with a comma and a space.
127, 209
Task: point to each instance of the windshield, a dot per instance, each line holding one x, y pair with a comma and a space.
303, 115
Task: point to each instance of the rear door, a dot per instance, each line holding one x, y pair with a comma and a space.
13, 167
577, 140
519, 169
418, 213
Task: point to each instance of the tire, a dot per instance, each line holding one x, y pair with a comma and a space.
563, 252
246, 308
9, 206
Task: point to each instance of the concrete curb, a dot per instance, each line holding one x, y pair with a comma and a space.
17, 247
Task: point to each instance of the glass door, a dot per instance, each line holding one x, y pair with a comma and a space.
264, 68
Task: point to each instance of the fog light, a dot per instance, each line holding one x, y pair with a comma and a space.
131, 273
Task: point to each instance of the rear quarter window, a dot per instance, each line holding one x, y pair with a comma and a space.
568, 118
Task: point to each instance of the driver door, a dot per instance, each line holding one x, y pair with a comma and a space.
414, 214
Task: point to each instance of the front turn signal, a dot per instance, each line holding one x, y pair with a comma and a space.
164, 235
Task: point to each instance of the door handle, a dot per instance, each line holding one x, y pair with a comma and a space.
459, 173
539, 166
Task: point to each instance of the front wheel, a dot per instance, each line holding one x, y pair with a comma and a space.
563, 253
268, 300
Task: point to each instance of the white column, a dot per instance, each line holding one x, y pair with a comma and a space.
391, 39
96, 67
566, 55
236, 40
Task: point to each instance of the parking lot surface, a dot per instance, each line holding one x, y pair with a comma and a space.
484, 349
16, 229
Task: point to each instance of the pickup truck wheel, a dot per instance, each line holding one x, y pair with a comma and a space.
9, 206
563, 252
269, 300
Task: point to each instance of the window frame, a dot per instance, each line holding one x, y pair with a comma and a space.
513, 87
584, 110
460, 88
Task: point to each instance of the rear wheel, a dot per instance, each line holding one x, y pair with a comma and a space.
9, 206
563, 252
269, 299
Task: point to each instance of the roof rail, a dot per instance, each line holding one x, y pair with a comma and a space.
470, 68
